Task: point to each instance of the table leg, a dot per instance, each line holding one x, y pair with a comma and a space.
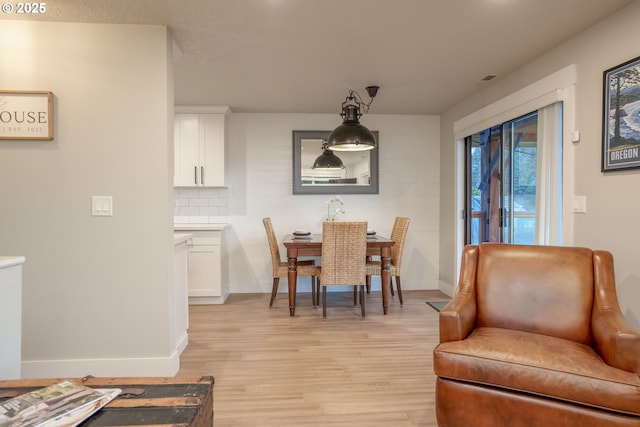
385, 266
292, 278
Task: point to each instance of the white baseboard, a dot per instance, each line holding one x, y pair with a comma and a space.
446, 288
208, 300
117, 367
180, 346
304, 285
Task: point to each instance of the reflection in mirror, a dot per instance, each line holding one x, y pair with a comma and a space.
317, 170
321, 166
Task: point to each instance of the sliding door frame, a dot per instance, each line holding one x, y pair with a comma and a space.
559, 86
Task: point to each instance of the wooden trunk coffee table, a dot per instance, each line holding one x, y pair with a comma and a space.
144, 401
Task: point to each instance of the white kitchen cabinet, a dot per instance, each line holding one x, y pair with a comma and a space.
179, 307
199, 146
208, 277
11, 317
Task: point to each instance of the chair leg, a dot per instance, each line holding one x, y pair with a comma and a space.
274, 290
362, 300
313, 291
324, 303
399, 289
317, 292
355, 295
391, 288
367, 259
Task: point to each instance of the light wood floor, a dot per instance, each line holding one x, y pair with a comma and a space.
274, 370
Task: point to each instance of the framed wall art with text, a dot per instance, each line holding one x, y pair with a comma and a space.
26, 115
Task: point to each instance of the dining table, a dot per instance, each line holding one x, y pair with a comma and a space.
311, 245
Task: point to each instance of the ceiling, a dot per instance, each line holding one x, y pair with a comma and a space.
302, 56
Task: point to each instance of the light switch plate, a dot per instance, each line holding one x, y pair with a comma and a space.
580, 204
102, 206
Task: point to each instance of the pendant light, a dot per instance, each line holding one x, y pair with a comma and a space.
351, 135
327, 160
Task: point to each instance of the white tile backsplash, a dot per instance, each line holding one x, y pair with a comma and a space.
200, 205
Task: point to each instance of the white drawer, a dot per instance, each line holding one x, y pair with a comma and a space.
202, 237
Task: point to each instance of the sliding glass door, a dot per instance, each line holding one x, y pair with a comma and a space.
501, 182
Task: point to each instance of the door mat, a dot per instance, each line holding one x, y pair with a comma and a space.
437, 305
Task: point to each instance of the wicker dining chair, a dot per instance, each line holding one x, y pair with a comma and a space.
281, 268
344, 252
398, 235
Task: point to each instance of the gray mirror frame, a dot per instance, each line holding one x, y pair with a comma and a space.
298, 188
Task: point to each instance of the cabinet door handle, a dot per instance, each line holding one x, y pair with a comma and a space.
195, 175
202, 175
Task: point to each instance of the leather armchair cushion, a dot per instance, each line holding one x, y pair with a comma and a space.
557, 281
539, 365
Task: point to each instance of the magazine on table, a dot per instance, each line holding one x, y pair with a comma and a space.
65, 404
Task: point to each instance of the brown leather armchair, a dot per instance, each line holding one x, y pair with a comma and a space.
534, 337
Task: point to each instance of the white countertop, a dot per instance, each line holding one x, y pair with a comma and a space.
196, 227
10, 261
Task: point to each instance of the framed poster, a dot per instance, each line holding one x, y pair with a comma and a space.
26, 115
621, 118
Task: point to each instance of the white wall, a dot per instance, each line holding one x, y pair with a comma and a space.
260, 185
612, 201
96, 289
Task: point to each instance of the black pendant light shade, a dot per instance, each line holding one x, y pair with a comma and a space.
327, 160
351, 135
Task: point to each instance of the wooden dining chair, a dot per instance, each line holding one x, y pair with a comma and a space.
398, 235
281, 268
344, 252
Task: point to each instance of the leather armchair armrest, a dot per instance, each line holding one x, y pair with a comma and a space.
458, 318
614, 338
616, 341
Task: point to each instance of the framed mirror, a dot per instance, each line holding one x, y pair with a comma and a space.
320, 171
